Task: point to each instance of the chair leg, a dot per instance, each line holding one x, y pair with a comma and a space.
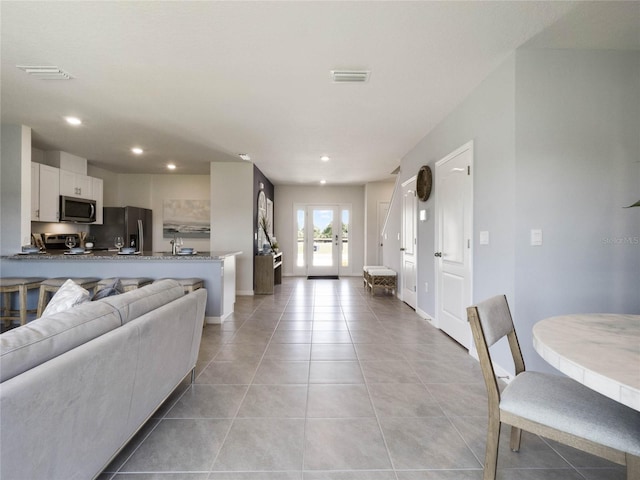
516, 436
491, 452
41, 301
23, 304
633, 467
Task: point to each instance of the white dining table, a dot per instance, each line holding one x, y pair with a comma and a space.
601, 351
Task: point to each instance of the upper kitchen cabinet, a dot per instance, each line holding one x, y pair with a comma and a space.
45, 193
74, 181
75, 184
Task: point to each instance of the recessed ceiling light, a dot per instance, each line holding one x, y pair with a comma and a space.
171, 166
322, 182
244, 156
137, 150
73, 120
324, 158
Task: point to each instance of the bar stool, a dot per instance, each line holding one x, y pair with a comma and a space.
11, 285
52, 285
128, 284
189, 284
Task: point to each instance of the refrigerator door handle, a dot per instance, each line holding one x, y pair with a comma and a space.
140, 236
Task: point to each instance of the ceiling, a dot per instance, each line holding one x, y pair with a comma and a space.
197, 82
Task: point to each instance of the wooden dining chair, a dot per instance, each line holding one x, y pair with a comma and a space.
552, 406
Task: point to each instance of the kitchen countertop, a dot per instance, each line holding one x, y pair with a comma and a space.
99, 255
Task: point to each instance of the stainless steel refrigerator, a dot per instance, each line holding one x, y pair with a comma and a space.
133, 224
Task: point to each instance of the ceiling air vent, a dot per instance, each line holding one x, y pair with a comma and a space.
46, 72
350, 76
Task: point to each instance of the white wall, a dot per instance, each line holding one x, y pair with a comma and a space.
150, 191
487, 118
375, 193
232, 217
556, 147
577, 165
15, 188
286, 196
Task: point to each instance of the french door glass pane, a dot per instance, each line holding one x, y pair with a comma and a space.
300, 214
345, 238
322, 238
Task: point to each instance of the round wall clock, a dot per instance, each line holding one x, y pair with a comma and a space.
424, 182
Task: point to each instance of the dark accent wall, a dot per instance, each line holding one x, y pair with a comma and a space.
258, 177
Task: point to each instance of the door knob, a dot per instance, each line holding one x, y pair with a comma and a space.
402, 249
437, 254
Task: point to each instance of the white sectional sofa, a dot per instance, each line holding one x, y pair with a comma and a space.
77, 385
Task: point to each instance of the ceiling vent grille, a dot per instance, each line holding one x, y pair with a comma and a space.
46, 72
350, 76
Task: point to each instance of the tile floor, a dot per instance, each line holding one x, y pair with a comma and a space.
324, 382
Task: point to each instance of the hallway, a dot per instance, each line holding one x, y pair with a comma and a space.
324, 381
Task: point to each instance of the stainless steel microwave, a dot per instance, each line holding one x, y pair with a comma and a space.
79, 210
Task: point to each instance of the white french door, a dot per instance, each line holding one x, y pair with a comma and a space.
323, 239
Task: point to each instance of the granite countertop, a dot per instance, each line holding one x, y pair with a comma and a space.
101, 255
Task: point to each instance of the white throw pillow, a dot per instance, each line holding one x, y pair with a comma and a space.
69, 295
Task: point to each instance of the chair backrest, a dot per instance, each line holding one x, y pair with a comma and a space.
491, 320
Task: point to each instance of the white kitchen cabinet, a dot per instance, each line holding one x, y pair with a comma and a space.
74, 184
35, 192
97, 186
49, 193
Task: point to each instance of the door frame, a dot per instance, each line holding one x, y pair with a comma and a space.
438, 247
338, 208
400, 293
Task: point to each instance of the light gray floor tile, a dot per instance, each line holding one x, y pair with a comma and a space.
350, 475
162, 476
243, 420
427, 442
335, 326
238, 373
378, 352
537, 474
209, 401
339, 401
333, 351
580, 459
392, 371
442, 475
344, 444
461, 399
284, 401
262, 444
179, 445
256, 476
534, 452
291, 336
341, 336
288, 352
335, 372
280, 372
619, 473
403, 400
455, 371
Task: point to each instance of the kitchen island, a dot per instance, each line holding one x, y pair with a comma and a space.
217, 269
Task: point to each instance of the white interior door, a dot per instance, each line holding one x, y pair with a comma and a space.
323, 240
409, 243
454, 202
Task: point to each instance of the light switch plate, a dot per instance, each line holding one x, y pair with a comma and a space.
484, 237
536, 237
